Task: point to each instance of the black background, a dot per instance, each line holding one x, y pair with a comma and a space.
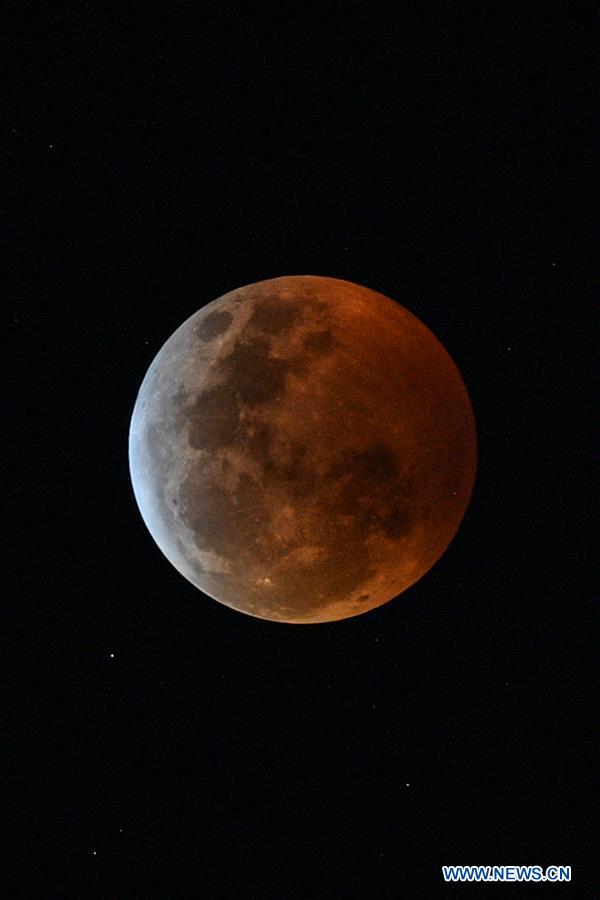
158, 157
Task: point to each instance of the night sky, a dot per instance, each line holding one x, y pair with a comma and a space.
156, 158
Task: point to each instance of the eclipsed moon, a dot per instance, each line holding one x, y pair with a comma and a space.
302, 449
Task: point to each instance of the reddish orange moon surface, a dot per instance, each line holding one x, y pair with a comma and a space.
302, 449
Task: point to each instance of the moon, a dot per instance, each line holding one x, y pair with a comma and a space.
302, 449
